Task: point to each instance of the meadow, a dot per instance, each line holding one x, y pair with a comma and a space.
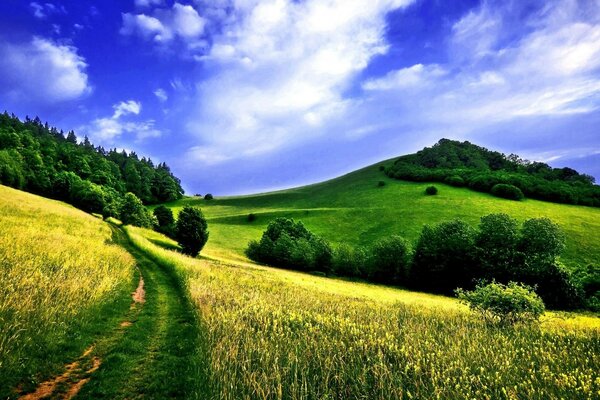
61, 279
275, 334
353, 209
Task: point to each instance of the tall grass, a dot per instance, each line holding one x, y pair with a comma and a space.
277, 334
58, 269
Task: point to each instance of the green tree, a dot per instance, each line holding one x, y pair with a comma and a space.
165, 220
133, 212
496, 243
191, 230
390, 260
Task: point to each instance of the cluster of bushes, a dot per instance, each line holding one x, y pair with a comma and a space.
43, 160
464, 164
190, 229
289, 244
445, 257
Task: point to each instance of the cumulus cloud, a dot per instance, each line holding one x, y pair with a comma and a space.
107, 130
280, 71
165, 24
549, 71
43, 70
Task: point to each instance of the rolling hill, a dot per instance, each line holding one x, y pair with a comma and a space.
354, 209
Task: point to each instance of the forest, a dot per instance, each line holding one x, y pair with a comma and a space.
44, 160
465, 164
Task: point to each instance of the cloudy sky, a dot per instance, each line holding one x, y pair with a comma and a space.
239, 96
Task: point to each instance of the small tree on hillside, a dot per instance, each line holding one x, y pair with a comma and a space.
191, 230
390, 260
496, 244
133, 212
504, 304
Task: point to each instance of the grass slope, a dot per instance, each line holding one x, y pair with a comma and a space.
277, 334
353, 209
62, 283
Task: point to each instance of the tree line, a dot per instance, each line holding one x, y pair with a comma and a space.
465, 164
46, 161
446, 256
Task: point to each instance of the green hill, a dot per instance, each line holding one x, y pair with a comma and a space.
354, 209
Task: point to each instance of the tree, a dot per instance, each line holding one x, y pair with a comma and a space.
541, 241
506, 191
191, 230
133, 212
165, 220
495, 244
390, 260
444, 257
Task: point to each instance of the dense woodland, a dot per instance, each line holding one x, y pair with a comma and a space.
44, 160
465, 164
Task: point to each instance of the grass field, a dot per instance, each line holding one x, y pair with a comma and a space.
61, 279
275, 334
354, 210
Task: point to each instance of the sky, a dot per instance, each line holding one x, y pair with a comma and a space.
242, 96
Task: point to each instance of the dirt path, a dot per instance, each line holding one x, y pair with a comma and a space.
150, 354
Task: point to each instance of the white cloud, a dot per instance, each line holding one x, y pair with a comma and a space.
161, 94
127, 107
43, 70
107, 130
280, 70
550, 71
164, 25
148, 3
43, 10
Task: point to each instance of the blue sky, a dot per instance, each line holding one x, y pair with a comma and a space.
240, 96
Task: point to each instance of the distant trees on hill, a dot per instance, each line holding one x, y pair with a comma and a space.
446, 256
43, 160
465, 164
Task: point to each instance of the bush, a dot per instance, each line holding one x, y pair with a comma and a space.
133, 212
444, 257
390, 260
504, 304
541, 241
208, 196
289, 244
507, 191
381, 184
455, 180
431, 190
382, 167
191, 230
251, 217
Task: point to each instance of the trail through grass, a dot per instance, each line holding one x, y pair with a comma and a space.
160, 355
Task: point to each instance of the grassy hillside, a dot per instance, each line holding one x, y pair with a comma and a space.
273, 333
60, 280
353, 209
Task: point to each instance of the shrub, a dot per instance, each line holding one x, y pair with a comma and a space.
191, 230
455, 180
380, 183
133, 212
504, 304
251, 217
431, 190
382, 167
443, 257
289, 244
507, 191
390, 260
557, 286
208, 196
